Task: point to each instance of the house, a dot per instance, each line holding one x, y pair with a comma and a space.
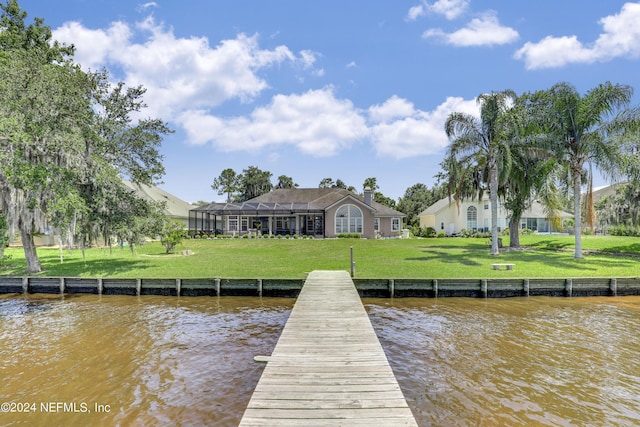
173, 206
451, 218
320, 212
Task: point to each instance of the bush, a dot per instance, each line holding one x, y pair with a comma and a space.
477, 234
172, 235
623, 230
428, 232
349, 236
441, 235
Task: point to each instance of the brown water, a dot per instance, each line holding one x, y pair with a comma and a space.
125, 361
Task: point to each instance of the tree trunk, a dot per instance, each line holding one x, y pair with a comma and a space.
493, 193
577, 213
514, 231
30, 253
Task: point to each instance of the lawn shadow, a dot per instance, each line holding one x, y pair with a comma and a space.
467, 258
551, 245
547, 255
94, 267
628, 250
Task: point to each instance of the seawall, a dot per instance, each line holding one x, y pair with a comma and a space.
378, 288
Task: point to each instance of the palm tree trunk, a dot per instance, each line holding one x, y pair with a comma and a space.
493, 194
577, 213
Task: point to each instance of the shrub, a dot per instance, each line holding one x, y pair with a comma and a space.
349, 236
172, 235
441, 235
428, 232
623, 230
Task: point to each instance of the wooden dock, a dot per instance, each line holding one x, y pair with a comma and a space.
328, 367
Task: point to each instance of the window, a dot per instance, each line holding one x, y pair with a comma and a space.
472, 218
376, 224
348, 219
233, 223
486, 206
244, 223
395, 224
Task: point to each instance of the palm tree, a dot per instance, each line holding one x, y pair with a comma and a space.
589, 130
479, 142
533, 170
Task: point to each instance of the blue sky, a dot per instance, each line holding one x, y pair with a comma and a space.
341, 89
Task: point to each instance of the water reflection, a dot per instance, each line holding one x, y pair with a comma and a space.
189, 361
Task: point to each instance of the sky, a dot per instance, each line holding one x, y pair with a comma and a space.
335, 89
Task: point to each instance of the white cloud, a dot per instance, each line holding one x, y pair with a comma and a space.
483, 31
402, 131
415, 12
620, 38
451, 9
93, 47
145, 6
187, 79
391, 109
316, 123
179, 73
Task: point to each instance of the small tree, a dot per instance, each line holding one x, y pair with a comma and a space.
172, 235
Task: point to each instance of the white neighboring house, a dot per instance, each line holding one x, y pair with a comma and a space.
451, 218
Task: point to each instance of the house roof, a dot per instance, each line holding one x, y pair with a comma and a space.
174, 207
437, 207
607, 190
290, 200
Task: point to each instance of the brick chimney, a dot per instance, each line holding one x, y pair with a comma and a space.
368, 195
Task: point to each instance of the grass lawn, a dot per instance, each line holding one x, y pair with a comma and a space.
544, 256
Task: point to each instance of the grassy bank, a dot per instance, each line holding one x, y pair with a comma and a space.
544, 256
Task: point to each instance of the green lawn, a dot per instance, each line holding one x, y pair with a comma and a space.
544, 256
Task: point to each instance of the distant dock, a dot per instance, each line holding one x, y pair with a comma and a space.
328, 367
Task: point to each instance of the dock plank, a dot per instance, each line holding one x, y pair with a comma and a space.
328, 367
